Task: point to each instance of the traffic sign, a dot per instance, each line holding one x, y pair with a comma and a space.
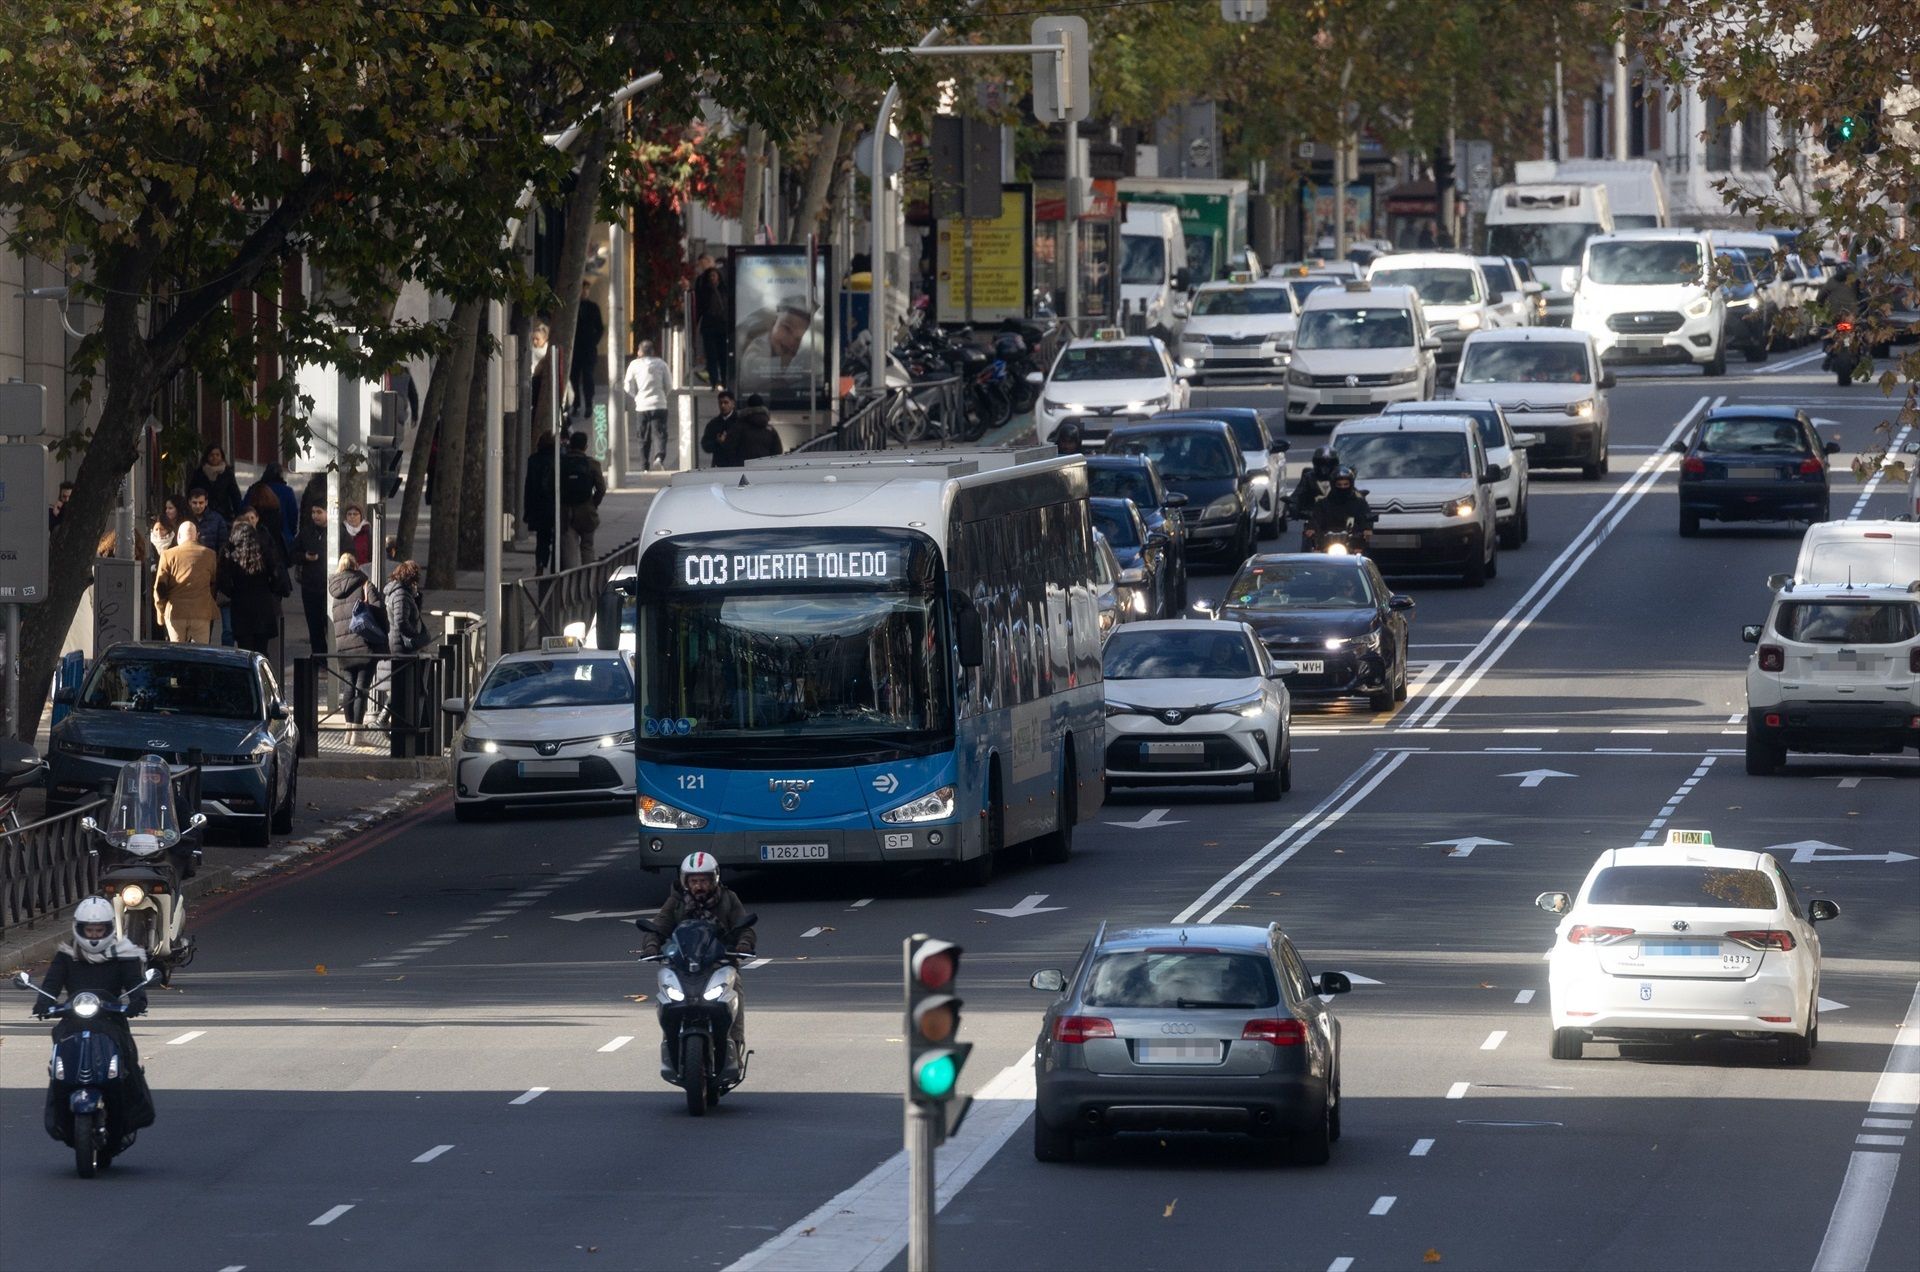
893, 154
1244, 10
1062, 88
23, 523
23, 409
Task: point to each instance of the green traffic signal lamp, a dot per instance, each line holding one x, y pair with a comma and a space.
934, 1075
935, 1056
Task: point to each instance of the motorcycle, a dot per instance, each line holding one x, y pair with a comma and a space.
699, 997
20, 767
149, 859
83, 1066
1842, 356
1343, 540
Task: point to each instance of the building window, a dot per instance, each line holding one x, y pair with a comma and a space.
1637, 120
1753, 138
1719, 136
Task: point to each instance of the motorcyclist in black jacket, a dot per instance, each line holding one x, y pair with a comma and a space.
99, 961
1339, 506
1315, 481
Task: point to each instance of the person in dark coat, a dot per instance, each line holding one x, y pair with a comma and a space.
715, 320
284, 499
537, 500
215, 477
347, 587
406, 634
700, 896
247, 580
263, 506
588, 330
756, 438
717, 438
94, 959
310, 570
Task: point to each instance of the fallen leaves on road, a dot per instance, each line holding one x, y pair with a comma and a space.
1431, 1256
799, 958
1243, 907
636, 998
320, 969
1168, 1212
400, 977
806, 1232
1488, 985
392, 913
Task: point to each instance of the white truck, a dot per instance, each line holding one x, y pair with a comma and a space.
1154, 278
1213, 215
1636, 189
1548, 225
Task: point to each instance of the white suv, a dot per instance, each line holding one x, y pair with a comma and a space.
1837, 671
1430, 485
1359, 347
1453, 295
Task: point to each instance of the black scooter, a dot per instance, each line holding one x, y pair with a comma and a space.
699, 997
84, 1067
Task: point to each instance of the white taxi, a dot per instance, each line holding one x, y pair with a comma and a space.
1106, 381
1667, 942
551, 727
1239, 328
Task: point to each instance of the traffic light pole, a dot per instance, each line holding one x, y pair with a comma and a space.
923, 1133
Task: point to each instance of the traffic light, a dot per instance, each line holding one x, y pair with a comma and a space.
383, 465
1856, 130
934, 1055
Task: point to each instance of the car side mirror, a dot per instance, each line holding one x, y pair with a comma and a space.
278, 710
1399, 602
454, 706
1431, 344
1497, 472
1206, 609
1532, 288
1280, 446
1052, 981
1527, 441
1777, 581
1182, 280
66, 695
1751, 633
1176, 500
1183, 373
1608, 379
968, 633
1832, 448
1281, 670
606, 619
1158, 539
1678, 448
1554, 902
1333, 983
1034, 377
1822, 910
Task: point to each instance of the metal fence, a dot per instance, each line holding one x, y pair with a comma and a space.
545, 604
402, 715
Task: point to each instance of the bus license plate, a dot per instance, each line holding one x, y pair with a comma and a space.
793, 852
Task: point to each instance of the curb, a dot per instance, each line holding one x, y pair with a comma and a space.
210, 882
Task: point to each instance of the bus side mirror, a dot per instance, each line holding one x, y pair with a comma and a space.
606, 619
967, 631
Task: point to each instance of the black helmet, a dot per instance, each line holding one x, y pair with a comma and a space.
1066, 438
1324, 461
1343, 479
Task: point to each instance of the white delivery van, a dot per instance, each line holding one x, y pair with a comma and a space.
1648, 296
1548, 226
1153, 267
1636, 188
1841, 552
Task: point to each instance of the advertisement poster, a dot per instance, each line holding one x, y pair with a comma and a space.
780, 324
1359, 211
1001, 271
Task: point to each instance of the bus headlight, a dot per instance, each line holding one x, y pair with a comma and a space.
657, 815
933, 806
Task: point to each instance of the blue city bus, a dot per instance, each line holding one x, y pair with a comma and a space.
888, 657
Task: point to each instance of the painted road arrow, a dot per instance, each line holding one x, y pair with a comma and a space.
602, 914
1464, 847
1029, 906
1533, 777
1806, 850
1149, 820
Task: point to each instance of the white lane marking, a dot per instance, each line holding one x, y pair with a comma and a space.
186, 1037
1458, 1090
1341, 1264
1382, 1205
1873, 482
1888, 1123
1494, 1040
1554, 730
812, 931
1672, 805
432, 1153
530, 1096
1885, 1141
1524, 996
1468, 672
618, 1043
1511, 750
1662, 731
234, 1267
330, 1216
1790, 364
1421, 1147
863, 902
1862, 1205
1623, 750
758, 962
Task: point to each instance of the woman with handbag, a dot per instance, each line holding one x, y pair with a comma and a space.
358, 636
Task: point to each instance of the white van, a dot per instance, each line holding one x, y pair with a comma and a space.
1430, 485
1453, 296
1647, 296
1859, 552
1357, 348
1548, 226
1550, 383
1636, 188
1153, 267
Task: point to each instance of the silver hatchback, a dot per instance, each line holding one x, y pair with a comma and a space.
1196, 1028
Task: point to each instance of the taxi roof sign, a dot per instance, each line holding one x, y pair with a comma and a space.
1241, 276
1689, 839
559, 644
1109, 333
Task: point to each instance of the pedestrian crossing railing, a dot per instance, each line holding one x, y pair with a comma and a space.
46, 867
543, 605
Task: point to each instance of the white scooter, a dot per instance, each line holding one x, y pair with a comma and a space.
147, 863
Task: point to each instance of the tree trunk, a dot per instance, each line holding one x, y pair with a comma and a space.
419, 459
826, 159
755, 155
475, 515
583, 206
449, 487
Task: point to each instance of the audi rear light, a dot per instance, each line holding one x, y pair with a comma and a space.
1811, 468
1773, 658
1285, 1032
1581, 934
1693, 466
1074, 1029
1770, 939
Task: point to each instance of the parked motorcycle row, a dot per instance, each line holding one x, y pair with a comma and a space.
992, 368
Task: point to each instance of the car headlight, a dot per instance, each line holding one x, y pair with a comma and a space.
1147, 404
1299, 379
1404, 377
1250, 705
670, 987
1699, 308
622, 738
1582, 409
933, 806
1468, 322
131, 895
656, 815
1063, 408
1457, 507
1260, 480
1224, 506
484, 745
1121, 708
1189, 362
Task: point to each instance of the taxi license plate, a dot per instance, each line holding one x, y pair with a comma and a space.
1176, 1053
1308, 666
549, 768
1175, 750
1396, 540
793, 852
1684, 949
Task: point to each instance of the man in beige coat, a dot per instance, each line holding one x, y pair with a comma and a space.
183, 589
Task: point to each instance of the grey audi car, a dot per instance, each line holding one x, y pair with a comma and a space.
1197, 1028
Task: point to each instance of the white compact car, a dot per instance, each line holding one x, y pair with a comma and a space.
1238, 329
1430, 485
1196, 703
1357, 348
1669, 942
1549, 381
1647, 296
1859, 552
1106, 381
1506, 450
1453, 295
551, 727
1837, 671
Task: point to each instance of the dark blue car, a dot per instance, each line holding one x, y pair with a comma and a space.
166, 700
1141, 554
1137, 478
1753, 463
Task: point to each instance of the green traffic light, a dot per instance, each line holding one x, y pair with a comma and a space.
1848, 126
935, 1076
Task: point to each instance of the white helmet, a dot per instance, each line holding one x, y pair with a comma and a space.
699, 863
94, 910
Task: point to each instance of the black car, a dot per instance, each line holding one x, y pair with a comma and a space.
1753, 463
144, 698
1143, 582
1332, 617
1137, 478
1264, 451
1200, 459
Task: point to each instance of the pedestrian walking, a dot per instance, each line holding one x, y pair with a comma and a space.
718, 437
165, 531
537, 499
310, 569
246, 578
216, 478
183, 584
715, 319
588, 330
755, 437
273, 479
646, 386
355, 655
263, 509
406, 634
356, 535
582, 486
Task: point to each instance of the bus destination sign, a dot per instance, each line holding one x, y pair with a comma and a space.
834, 564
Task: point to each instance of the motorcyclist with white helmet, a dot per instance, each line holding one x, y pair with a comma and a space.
699, 895
98, 960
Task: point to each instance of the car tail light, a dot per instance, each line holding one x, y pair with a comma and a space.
1769, 939
1581, 934
1081, 1028
1693, 466
1281, 1033
1843, 327
1811, 468
1773, 658
1778, 1020
1876, 534
1913, 659
1772, 719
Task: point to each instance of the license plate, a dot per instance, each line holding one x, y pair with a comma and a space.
1684, 949
1396, 540
793, 852
1348, 397
1765, 474
1176, 1053
1175, 750
1310, 666
549, 768
1640, 342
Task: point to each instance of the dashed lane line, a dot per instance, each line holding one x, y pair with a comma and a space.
432, 1153
1494, 1040
330, 1216
1458, 1091
1382, 1204
1421, 1147
1342, 1264
186, 1037
1672, 805
530, 1096
1873, 482
1861, 1208
1524, 997
513, 905
617, 1043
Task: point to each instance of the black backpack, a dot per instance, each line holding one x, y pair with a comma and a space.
576, 480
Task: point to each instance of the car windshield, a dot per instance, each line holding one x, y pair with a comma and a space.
808, 666
1436, 286
183, 687
1116, 523
1305, 287
1525, 362
1180, 456
1288, 587
556, 682
1499, 277
1382, 456
1143, 260
1734, 268
1542, 242
1846, 622
1706, 887
1164, 654
1645, 262
1232, 302
1109, 362
1354, 329
1121, 482
1177, 978
1491, 434
1772, 437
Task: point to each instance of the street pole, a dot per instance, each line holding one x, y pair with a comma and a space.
921, 1199
1070, 240
12, 670
1620, 90
617, 424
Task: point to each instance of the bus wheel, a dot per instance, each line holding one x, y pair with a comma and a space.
1057, 847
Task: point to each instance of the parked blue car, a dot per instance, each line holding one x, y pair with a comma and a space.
166, 700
